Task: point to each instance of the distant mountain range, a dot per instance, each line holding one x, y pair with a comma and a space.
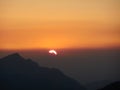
17, 73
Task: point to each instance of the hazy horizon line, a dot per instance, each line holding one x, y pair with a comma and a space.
30, 49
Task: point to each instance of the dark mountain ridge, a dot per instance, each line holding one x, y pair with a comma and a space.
19, 73
112, 86
97, 84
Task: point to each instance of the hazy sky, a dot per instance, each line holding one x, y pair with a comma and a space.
31, 24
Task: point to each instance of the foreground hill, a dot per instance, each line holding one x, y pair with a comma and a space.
112, 86
18, 73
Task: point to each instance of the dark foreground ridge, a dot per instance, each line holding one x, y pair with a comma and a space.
17, 73
112, 86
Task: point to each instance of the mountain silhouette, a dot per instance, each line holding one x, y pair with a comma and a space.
112, 86
97, 84
17, 73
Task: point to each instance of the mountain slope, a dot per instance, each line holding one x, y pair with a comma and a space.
18, 73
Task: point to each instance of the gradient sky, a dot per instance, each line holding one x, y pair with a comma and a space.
30, 24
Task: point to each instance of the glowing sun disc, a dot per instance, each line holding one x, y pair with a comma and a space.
53, 52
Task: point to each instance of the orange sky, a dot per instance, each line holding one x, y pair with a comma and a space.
30, 24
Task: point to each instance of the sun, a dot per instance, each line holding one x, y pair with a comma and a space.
52, 52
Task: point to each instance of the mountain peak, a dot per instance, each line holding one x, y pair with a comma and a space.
14, 56
26, 74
